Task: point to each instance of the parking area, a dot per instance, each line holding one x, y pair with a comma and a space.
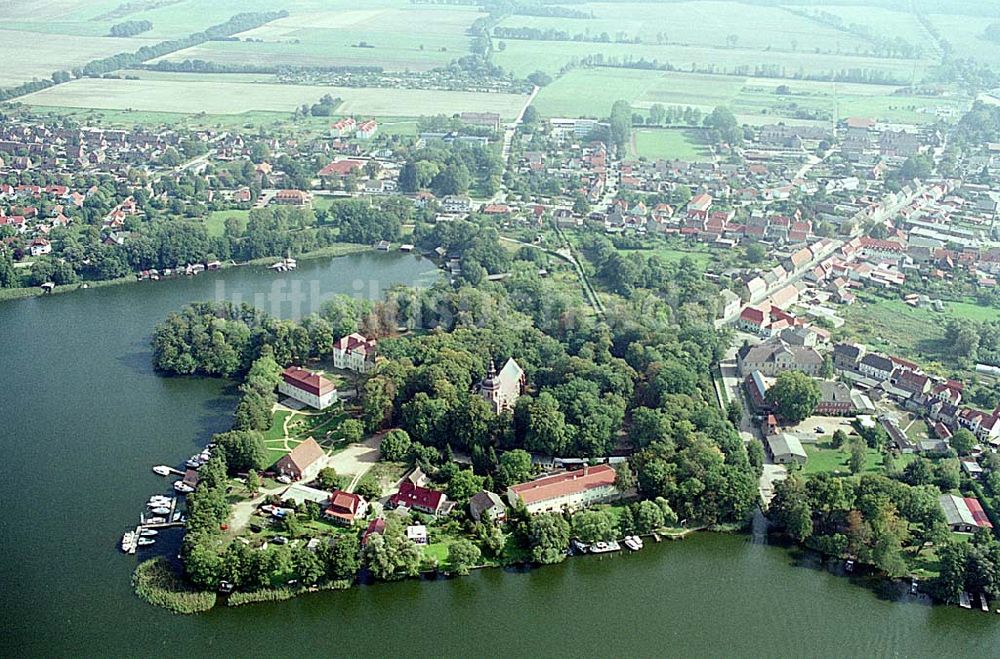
807, 430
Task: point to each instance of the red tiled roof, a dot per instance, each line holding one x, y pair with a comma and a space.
978, 513
752, 315
340, 168
305, 380
566, 484
414, 496
343, 505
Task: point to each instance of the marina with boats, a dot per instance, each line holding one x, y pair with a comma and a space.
162, 510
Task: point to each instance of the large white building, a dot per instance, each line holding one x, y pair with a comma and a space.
354, 353
307, 387
567, 491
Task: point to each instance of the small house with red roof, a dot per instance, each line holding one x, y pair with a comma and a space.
303, 462
345, 508
40, 246
307, 387
964, 514
292, 198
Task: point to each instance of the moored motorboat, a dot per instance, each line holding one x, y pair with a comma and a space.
160, 511
145, 542
162, 470
155, 520
158, 501
633, 542
148, 532
129, 542
604, 547
182, 487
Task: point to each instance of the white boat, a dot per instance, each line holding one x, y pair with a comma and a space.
145, 542
964, 601
162, 470
155, 520
129, 542
148, 532
160, 511
633, 542
157, 501
604, 547
982, 603
182, 487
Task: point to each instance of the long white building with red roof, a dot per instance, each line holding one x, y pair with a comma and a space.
567, 491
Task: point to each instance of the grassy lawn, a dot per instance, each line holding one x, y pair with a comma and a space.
673, 253
918, 431
215, 222
823, 457
670, 144
895, 327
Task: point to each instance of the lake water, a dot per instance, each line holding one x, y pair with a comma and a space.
83, 418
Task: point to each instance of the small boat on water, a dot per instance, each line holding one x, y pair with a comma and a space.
157, 501
604, 547
284, 265
633, 542
162, 470
148, 533
145, 542
983, 603
129, 542
182, 487
155, 520
160, 511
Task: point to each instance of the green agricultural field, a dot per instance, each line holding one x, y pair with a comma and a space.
886, 22
699, 24
590, 92
49, 53
669, 144
332, 38
965, 34
221, 98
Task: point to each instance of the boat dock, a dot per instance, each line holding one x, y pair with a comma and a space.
169, 470
172, 519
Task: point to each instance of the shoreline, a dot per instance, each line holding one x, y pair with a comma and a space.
177, 587
331, 251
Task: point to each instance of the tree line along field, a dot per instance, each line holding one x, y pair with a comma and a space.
591, 92
522, 57
226, 97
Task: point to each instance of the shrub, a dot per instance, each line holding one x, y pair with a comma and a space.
156, 583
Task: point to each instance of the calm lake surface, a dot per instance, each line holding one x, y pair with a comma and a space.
83, 418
